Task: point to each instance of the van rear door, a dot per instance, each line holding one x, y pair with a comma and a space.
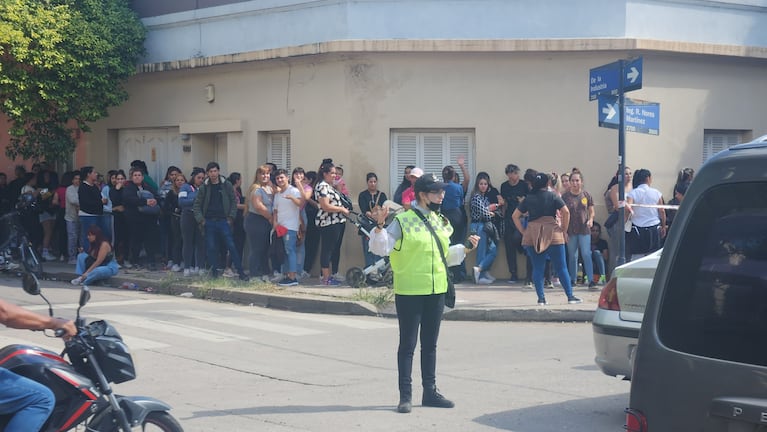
701, 362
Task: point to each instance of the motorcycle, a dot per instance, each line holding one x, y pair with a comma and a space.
16, 246
84, 397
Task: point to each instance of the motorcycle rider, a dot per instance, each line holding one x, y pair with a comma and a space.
29, 402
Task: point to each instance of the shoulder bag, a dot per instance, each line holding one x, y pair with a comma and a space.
450, 295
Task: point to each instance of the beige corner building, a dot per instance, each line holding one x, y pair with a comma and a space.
377, 85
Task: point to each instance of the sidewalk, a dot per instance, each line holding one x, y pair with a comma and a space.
497, 302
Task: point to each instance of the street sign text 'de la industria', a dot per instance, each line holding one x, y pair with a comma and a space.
606, 79
639, 116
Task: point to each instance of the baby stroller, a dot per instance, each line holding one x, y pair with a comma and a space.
379, 273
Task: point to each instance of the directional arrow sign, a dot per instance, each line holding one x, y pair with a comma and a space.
640, 116
606, 79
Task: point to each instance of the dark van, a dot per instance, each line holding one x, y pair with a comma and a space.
701, 362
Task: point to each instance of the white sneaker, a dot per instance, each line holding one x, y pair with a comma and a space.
187, 272
126, 264
476, 274
304, 275
77, 281
339, 278
47, 255
175, 268
489, 276
484, 281
228, 273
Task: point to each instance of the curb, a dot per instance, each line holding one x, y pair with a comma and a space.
307, 303
304, 303
523, 315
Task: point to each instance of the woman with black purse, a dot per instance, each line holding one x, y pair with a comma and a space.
98, 263
331, 219
417, 244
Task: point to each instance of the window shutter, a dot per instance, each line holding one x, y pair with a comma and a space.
430, 150
714, 142
404, 153
279, 150
433, 154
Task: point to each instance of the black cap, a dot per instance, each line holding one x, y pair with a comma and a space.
428, 183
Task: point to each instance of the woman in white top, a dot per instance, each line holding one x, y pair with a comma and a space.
648, 225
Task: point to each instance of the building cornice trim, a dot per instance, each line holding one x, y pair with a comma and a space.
463, 46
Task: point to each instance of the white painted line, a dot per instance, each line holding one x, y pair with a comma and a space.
191, 332
101, 304
371, 324
247, 323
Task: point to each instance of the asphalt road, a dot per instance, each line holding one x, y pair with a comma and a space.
225, 367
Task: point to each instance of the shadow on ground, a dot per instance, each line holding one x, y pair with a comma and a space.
601, 414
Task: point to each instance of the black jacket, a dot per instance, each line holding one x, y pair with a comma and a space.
90, 199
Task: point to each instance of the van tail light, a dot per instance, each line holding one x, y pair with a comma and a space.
608, 298
635, 421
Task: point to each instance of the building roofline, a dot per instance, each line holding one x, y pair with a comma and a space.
463, 46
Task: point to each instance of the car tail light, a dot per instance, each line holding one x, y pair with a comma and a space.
635, 421
608, 298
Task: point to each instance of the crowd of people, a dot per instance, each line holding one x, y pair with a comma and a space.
199, 224
588, 258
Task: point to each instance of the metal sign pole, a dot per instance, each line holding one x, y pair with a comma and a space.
621, 164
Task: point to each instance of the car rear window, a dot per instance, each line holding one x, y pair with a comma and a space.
715, 301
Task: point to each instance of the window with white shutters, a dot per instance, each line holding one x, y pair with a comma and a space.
431, 150
278, 150
715, 141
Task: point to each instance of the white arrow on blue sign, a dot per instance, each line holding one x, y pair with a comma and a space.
639, 116
606, 79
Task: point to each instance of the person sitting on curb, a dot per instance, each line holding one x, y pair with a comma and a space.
98, 263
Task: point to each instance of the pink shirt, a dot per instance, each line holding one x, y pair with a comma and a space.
408, 195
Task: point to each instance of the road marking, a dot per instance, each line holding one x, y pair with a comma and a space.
355, 323
246, 322
102, 304
134, 343
6, 340
192, 332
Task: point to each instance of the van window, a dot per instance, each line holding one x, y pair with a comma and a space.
715, 301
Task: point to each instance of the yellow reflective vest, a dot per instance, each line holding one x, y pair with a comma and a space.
415, 260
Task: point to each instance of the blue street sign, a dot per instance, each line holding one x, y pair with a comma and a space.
640, 116
606, 79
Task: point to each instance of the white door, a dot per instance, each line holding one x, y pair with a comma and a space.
159, 148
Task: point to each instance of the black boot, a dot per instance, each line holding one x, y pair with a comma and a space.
432, 398
405, 401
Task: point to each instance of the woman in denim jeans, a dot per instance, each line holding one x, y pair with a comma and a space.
192, 241
544, 235
102, 264
482, 212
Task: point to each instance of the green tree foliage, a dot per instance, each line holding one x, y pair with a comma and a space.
63, 63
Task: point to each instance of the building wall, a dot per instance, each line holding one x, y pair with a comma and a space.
231, 27
530, 109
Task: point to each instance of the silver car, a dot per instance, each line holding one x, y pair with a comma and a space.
619, 315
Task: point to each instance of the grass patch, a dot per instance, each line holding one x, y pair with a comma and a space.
379, 297
206, 284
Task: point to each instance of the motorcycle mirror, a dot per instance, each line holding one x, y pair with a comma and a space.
30, 284
85, 295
